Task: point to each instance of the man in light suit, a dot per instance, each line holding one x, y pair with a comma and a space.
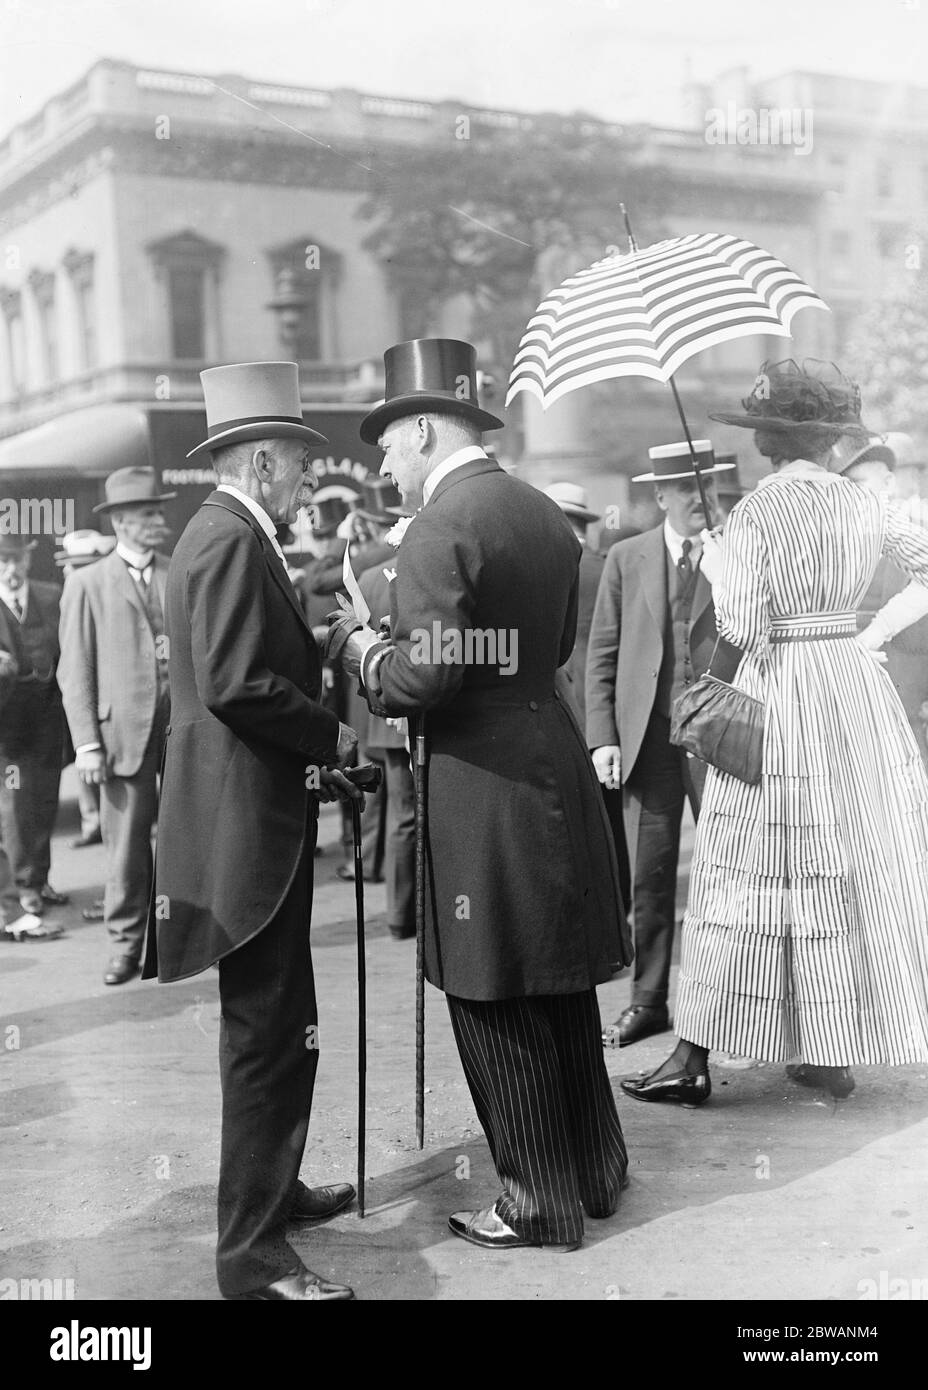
523, 912
652, 635
114, 680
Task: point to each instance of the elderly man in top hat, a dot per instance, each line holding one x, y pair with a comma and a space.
652, 635
32, 728
114, 679
250, 752
79, 549
523, 914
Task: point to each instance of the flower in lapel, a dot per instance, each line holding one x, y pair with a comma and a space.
397, 532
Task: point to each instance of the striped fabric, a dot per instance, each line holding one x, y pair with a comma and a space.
539, 1085
646, 313
806, 931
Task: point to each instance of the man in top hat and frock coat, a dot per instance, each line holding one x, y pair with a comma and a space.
652, 635
114, 679
523, 911
250, 753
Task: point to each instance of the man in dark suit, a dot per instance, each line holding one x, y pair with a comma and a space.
250, 752
114, 679
32, 727
652, 634
523, 909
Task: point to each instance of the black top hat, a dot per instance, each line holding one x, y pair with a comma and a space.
816, 396
428, 374
13, 544
378, 496
327, 514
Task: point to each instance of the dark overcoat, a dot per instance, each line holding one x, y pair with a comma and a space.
522, 892
626, 644
246, 722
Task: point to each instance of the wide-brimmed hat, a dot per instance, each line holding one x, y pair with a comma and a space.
14, 544
129, 487
848, 451
674, 461
378, 496
424, 375
80, 548
815, 396
253, 400
572, 500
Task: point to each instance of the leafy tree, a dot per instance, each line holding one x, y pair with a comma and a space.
887, 352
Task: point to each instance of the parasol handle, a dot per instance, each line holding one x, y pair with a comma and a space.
703, 496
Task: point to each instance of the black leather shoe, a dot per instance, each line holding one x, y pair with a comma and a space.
93, 837
319, 1203
301, 1286
838, 1081
48, 895
346, 873
402, 933
94, 913
688, 1090
487, 1229
120, 969
637, 1022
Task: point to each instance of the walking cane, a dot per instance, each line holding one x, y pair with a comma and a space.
368, 778
420, 930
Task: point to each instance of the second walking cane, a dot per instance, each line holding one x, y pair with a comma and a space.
419, 779
368, 778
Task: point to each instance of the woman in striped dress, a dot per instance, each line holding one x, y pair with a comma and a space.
806, 930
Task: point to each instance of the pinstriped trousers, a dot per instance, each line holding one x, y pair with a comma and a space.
539, 1084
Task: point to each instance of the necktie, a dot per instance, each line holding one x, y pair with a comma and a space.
684, 565
18, 609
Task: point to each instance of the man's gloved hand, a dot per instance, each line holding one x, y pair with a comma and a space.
711, 561
347, 641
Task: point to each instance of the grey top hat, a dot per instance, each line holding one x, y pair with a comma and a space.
129, 487
253, 400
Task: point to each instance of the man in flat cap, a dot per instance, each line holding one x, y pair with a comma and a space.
250, 753
114, 680
523, 912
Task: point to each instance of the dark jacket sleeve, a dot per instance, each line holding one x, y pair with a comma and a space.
225, 608
602, 658
437, 571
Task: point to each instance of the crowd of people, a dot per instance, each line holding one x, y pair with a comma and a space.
554, 789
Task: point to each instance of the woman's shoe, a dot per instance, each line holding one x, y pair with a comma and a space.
838, 1081
679, 1086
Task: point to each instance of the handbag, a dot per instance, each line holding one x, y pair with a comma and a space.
721, 725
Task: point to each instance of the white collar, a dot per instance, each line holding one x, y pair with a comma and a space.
674, 543
802, 468
259, 514
455, 460
139, 560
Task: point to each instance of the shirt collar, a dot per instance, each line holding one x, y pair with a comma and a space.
138, 559
674, 543
455, 460
259, 514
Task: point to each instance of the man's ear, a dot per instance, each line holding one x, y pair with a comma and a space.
261, 465
424, 433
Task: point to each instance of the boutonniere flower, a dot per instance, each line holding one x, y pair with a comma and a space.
397, 532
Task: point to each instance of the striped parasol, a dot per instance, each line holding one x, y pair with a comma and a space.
647, 312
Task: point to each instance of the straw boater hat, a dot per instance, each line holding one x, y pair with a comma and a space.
79, 548
572, 500
427, 375
132, 487
673, 461
848, 451
816, 397
253, 400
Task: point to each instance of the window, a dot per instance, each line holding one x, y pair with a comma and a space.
188, 269
889, 241
42, 284
80, 268
305, 275
11, 303
884, 181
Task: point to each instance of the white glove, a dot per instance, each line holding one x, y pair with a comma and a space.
712, 558
898, 613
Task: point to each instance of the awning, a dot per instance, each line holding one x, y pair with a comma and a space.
91, 442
